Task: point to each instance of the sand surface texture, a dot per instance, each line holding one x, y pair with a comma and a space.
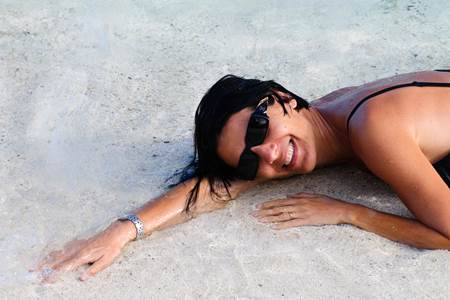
96, 111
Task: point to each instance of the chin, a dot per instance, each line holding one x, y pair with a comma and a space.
307, 166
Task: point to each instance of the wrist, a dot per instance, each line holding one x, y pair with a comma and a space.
350, 213
137, 223
127, 229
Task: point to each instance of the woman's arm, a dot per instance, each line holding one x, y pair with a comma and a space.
309, 209
102, 249
391, 151
396, 228
168, 209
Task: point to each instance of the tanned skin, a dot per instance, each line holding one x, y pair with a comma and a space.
396, 135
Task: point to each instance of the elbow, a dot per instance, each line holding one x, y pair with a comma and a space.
444, 229
205, 205
446, 232
446, 226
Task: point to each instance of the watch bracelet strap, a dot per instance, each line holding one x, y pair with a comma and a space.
139, 226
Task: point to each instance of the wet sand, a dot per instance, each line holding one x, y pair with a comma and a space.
96, 111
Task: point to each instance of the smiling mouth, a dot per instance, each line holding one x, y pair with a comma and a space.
290, 155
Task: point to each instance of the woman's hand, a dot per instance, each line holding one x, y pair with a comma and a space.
303, 209
99, 251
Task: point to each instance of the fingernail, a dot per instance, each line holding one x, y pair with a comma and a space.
84, 277
258, 205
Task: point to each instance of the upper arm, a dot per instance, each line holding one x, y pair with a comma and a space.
236, 188
208, 201
392, 154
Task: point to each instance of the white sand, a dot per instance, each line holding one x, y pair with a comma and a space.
91, 90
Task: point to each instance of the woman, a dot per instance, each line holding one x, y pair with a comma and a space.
250, 131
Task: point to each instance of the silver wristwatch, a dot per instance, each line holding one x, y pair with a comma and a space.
137, 224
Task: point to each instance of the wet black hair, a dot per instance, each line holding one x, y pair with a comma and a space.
227, 96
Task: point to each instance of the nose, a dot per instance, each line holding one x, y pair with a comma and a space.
268, 152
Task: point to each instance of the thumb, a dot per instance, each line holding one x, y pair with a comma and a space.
98, 266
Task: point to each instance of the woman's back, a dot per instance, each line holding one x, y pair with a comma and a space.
422, 109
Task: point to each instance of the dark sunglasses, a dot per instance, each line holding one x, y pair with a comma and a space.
255, 135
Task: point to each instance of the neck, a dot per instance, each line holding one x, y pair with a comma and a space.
330, 145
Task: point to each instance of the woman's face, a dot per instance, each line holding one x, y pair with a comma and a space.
288, 148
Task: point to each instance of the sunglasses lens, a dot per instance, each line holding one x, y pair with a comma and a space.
258, 122
256, 131
248, 165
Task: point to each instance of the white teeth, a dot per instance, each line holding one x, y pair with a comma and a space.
290, 154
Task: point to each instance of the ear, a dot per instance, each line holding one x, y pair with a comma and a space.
286, 98
293, 103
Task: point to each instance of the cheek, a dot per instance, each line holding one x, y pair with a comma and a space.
279, 125
283, 130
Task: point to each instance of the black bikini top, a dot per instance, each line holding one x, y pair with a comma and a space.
414, 83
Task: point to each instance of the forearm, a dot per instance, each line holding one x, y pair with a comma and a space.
169, 209
396, 228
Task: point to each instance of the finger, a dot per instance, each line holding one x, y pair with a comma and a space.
88, 255
274, 211
77, 260
59, 256
70, 264
302, 194
98, 266
48, 275
291, 223
50, 259
279, 218
277, 202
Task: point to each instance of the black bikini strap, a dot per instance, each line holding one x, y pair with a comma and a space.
439, 84
414, 83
